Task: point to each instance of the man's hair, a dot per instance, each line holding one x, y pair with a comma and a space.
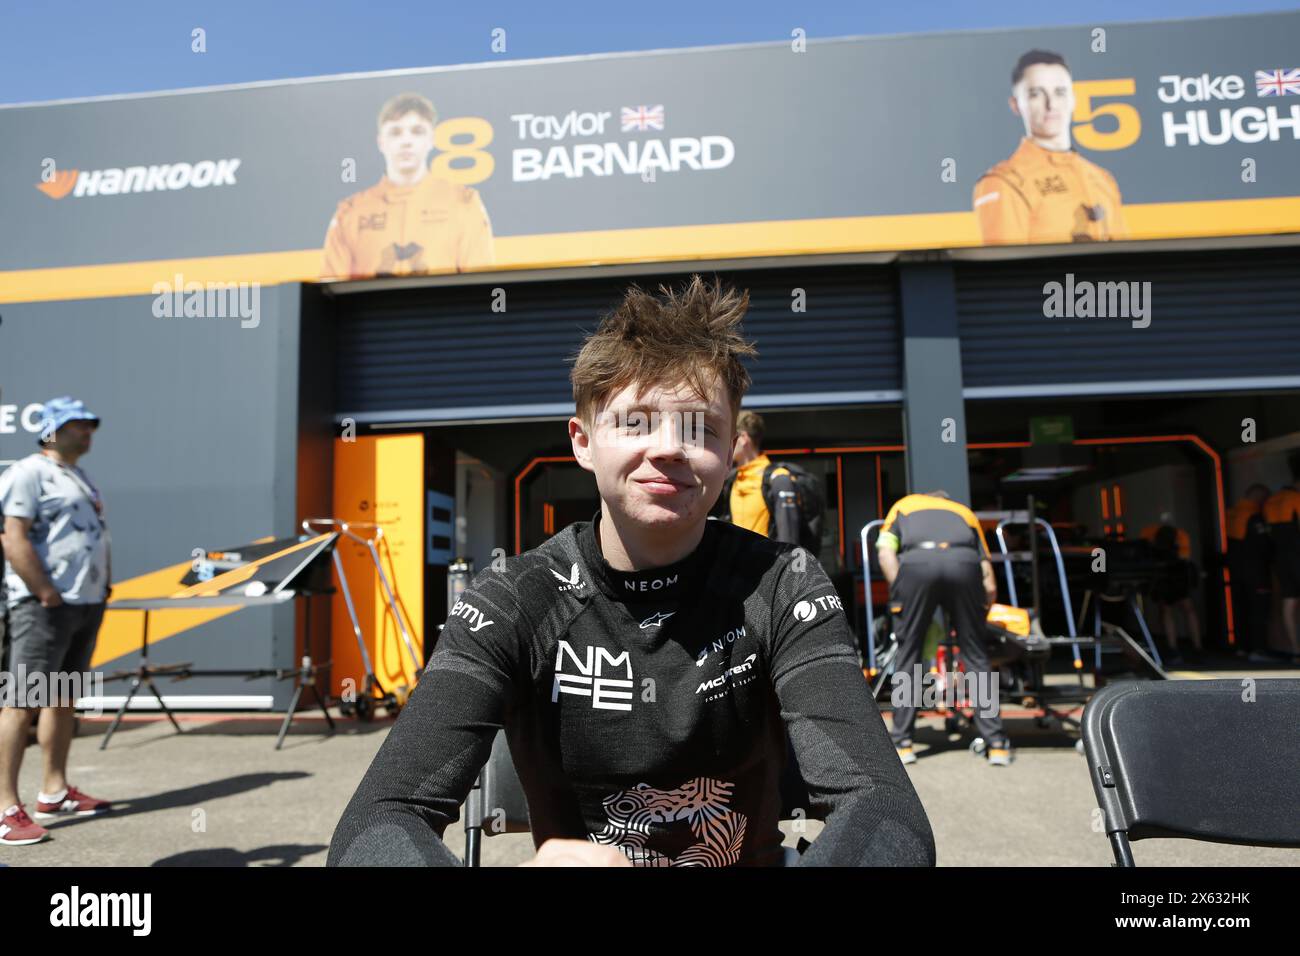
751, 423
1036, 56
690, 334
404, 103
939, 493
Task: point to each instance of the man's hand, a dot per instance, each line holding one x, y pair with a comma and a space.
990, 583
577, 853
888, 559
49, 597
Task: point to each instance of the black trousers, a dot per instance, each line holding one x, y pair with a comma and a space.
928, 580
1252, 605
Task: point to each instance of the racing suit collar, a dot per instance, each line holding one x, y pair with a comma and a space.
1027, 145
394, 193
672, 582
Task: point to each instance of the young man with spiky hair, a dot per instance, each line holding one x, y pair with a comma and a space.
651, 668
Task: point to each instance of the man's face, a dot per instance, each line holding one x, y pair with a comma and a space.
1044, 99
74, 437
744, 450
659, 456
406, 143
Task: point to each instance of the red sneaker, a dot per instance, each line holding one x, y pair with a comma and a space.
74, 804
17, 828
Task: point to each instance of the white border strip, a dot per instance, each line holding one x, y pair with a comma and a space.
502, 413
1147, 387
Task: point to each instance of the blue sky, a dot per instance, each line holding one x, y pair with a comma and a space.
80, 48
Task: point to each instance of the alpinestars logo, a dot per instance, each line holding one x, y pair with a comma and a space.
656, 619
118, 181
606, 693
571, 583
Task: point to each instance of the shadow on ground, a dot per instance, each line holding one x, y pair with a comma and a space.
287, 854
189, 796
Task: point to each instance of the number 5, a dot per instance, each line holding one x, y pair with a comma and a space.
1128, 123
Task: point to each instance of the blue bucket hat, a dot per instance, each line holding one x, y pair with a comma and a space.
57, 412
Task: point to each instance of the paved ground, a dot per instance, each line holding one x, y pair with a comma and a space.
221, 795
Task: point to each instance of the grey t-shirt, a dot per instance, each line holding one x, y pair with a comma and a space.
68, 529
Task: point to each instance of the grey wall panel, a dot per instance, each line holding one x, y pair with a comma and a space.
196, 448
446, 348
1215, 316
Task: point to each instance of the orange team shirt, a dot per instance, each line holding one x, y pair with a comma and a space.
433, 226
1044, 195
920, 517
1282, 507
1239, 516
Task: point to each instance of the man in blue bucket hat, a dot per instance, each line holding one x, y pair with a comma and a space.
57, 573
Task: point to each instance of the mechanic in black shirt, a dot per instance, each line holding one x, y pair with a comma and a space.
649, 665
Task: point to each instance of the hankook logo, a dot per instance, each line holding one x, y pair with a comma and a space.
118, 181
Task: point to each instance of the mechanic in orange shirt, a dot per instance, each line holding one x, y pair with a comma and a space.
932, 552
1046, 191
1250, 556
1173, 585
744, 503
1282, 512
411, 221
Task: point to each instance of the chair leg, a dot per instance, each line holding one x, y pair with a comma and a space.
473, 841
1123, 852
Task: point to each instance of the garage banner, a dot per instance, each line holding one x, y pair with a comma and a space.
1082, 134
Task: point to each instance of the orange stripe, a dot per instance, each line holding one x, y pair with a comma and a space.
797, 237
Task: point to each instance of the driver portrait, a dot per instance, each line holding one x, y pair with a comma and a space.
1046, 191
411, 221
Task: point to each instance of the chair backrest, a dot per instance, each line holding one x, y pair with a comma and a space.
498, 805
1214, 760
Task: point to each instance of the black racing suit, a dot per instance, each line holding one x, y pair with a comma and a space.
647, 711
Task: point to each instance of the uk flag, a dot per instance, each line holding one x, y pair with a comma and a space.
643, 117
1277, 82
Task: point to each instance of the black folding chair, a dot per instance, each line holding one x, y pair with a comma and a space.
1213, 760
497, 804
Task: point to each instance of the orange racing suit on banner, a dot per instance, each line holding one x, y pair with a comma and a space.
1044, 195
433, 226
